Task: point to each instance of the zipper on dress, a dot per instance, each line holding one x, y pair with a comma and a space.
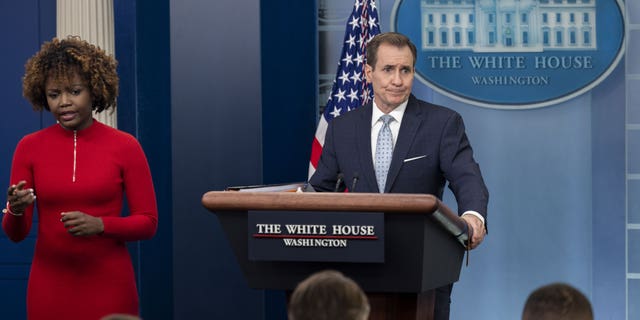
75, 143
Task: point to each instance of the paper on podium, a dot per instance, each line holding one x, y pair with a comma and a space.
284, 187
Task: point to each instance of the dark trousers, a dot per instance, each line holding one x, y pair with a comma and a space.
443, 302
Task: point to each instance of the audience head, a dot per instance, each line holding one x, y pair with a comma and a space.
557, 301
328, 295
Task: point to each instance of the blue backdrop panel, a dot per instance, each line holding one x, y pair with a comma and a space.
24, 25
216, 142
608, 196
238, 117
144, 110
289, 88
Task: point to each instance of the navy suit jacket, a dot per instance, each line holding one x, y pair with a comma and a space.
431, 149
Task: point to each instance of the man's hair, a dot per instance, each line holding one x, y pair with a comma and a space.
393, 38
557, 301
328, 295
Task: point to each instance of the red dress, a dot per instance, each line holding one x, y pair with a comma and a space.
83, 277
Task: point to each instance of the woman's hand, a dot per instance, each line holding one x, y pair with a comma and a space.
18, 198
80, 224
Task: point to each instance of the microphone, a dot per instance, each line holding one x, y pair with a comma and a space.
339, 182
354, 181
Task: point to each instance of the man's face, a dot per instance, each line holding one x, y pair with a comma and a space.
392, 76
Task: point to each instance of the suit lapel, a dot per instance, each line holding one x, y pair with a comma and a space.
363, 132
411, 122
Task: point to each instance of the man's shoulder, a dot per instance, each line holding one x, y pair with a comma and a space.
353, 115
426, 108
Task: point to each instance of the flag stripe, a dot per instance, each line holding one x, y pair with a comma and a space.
350, 89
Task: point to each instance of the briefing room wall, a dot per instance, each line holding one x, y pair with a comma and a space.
289, 87
216, 140
243, 104
24, 25
556, 209
538, 187
216, 137
561, 162
142, 50
608, 195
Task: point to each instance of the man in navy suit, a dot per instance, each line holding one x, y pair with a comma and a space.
430, 146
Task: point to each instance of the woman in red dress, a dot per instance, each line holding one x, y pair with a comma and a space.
81, 171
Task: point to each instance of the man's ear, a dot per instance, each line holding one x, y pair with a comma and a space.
367, 70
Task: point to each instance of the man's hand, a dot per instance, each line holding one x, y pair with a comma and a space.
478, 229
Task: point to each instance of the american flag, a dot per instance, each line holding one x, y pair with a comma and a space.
350, 89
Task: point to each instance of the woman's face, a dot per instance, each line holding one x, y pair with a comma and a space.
69, 101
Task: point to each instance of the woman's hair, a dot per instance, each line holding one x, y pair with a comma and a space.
61, 60
328, 295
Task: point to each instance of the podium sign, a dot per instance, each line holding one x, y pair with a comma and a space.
309, 236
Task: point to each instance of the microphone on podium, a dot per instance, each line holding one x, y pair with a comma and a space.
339, 182
356, 176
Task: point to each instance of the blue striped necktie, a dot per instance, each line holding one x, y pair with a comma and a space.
384, 152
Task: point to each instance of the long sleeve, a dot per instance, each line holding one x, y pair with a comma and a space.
460, 168
17, 227
141, 223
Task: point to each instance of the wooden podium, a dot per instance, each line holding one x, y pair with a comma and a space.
420, 254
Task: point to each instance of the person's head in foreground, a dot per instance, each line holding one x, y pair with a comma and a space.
328, 295
557, 301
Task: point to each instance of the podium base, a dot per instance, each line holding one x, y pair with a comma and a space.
392, 306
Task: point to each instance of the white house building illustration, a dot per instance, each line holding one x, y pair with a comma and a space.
508, 25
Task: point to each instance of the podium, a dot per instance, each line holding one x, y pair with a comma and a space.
419, 253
